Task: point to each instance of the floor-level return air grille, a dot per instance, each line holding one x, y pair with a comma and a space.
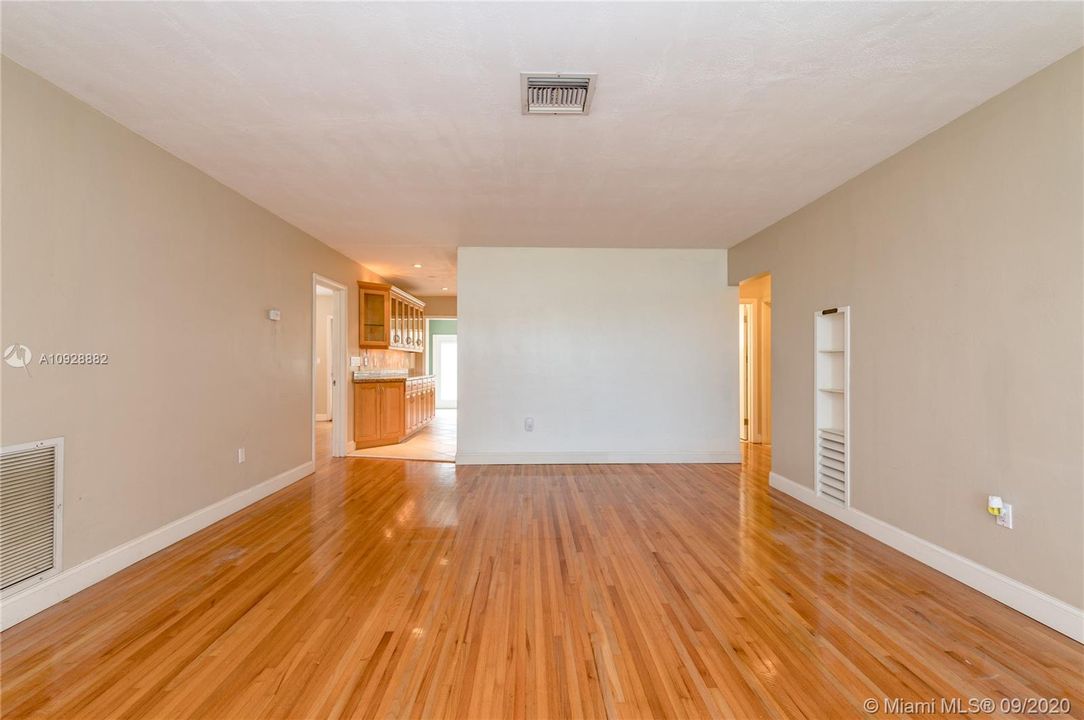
30, 503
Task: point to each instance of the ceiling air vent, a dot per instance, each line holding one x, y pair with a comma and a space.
557, 93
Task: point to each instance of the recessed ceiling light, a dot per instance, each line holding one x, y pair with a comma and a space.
442, 289
417, 265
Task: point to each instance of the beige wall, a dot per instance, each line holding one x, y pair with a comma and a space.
441, 306
961, 258
112, 245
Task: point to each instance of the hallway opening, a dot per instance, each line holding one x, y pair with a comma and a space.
755, 359
328, 366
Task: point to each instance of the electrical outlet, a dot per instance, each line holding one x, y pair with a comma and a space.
240, 455
528, 424
1005, 518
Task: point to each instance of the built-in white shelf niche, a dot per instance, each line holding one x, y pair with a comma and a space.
832, 376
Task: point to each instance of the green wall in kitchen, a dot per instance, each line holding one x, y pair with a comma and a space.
438, 327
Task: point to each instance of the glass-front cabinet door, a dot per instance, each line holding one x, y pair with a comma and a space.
394, 321
403, 309
375, 312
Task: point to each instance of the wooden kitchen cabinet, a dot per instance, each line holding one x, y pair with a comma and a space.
374, 310
412, 330
379, 413
391, 318
392, 412
367, 414
421, 395
407, 320
387, 412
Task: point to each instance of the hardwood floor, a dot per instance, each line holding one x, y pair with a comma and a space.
383, 588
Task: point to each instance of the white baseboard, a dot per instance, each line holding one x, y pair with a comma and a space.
582, 458
34, 599
351, 446
1048, 610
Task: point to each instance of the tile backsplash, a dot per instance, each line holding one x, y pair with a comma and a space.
391, 360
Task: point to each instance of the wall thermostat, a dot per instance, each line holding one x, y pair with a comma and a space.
274, 314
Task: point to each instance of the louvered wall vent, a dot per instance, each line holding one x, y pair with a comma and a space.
557, 93
30, 497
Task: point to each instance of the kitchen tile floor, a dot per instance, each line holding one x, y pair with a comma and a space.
435, 442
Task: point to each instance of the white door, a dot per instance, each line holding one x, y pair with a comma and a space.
446, 368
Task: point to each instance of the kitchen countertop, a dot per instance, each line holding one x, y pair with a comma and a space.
366, 378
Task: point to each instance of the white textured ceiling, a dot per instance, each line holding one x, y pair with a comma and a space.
392, 131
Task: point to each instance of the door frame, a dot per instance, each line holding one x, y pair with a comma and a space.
329, 350
436, 370
749, 365
337, 399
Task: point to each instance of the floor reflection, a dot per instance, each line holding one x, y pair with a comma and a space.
382, 588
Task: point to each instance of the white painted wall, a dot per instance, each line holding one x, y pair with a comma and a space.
619, 355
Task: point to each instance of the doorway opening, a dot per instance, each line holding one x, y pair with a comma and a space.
328, 368
755, 359
436, 442
442, 361
445, 359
